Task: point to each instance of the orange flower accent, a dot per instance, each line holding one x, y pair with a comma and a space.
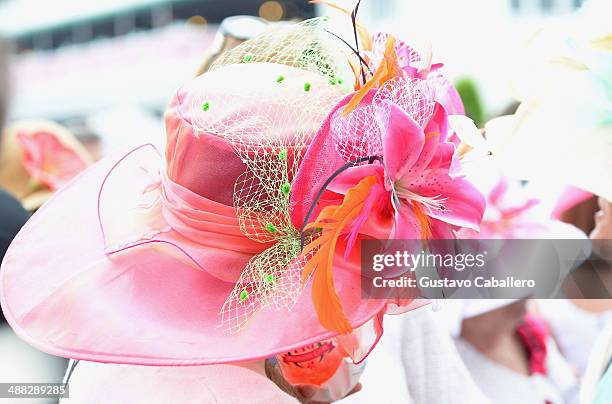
333, 221
387, 70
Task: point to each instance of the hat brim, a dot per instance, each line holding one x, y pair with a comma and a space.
64, 295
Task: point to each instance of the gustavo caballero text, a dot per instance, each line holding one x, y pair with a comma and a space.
427, 282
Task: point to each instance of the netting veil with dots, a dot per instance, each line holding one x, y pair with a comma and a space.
270, 138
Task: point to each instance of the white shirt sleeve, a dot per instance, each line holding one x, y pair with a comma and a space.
416, 362
435, 372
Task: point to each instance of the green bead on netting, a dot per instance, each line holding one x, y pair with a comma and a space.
244, 295
286, 187
307, 86
271, 228
247, 58
280, 79
205, 106
269, 279
339, 80
282, 155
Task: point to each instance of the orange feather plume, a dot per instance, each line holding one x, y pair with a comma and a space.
332, 221
388, 69
355, 68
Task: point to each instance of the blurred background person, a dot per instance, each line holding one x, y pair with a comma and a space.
416, 361
505, 344
603, 224
12, 217
597, 382
576, 323
12, 214
19, 362
510, 353
564, 123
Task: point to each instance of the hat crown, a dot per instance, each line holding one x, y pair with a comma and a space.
223, 124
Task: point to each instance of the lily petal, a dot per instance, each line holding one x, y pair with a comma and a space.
467, 132
444, 159
431, 155
435, 156
403, 142
464, 205
441, 230
519, 210
498, 191
445, 93
407, 226
438, 123
351, 177
426, 158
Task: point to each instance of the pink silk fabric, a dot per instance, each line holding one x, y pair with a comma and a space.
207, 224
157, 210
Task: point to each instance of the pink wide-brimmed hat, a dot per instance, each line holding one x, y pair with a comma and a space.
215, 254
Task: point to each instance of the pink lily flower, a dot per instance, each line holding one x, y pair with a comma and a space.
510, 213
420, 197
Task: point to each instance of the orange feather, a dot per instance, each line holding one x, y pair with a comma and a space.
332, 220
387, 70
356, 71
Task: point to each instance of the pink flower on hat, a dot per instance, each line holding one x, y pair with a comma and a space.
418, 65
48, 160
425, 198
381, 166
